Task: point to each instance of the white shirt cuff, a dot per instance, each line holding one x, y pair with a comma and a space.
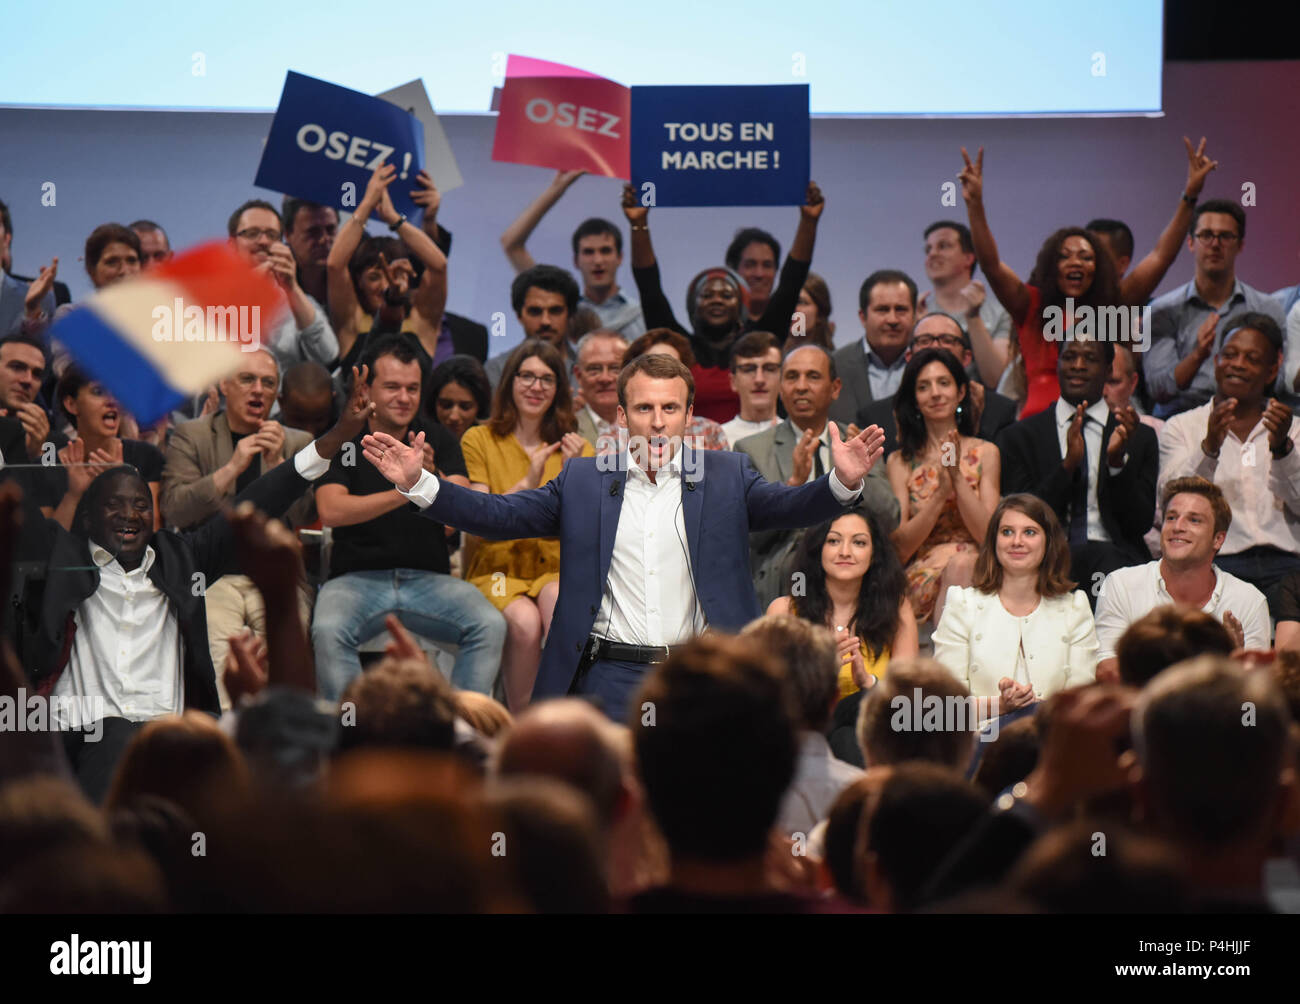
845, 495
424, 491
310, 464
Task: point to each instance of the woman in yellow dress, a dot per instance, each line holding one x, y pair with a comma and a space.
848, 578
531, 435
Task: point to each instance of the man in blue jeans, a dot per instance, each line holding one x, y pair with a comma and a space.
385, 560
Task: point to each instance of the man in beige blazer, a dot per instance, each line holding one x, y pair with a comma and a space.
209, 460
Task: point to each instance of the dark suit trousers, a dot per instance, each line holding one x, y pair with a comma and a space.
611, 686
1093, 560
94, 762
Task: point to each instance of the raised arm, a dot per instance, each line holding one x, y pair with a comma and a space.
341, 295
656, 310
794, 273
430, 297
516, 235
1140, 283
1006, 285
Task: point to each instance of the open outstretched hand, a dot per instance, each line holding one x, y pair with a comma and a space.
854, 457
398, 462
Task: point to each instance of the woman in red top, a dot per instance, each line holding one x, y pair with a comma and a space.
1074, 268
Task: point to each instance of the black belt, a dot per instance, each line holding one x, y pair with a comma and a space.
600, 648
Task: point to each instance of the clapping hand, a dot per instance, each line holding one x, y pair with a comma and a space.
1014, 695
803, 457
1277, 420
1126, 420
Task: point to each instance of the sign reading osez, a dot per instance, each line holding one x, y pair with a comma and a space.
338, 145
568, 115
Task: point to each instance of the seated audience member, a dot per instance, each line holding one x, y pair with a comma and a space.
459, 395
797, 451
545, 300
871, 369
1069, 274
811, 324
715, 761
595, 373
756, 379
384, 558
96, 416
701, 433
399, 704
1216, 791
1062, 873
307, 398
807, 653
718, 299
1121, 384
1095, 468
1165, 637
112, 557
597, 255
210, 460
986, 327
22, 301
155, 248
1244, 440
531, 435
922, 812
22, 370
1196, 522
309, 230
990, 411
255, 234
384, 285
1020, 632
944, 478
886, 736
850, 581
1186, 322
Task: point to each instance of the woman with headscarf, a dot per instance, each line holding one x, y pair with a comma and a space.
716, 302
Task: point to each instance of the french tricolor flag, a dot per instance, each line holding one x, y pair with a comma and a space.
160, 338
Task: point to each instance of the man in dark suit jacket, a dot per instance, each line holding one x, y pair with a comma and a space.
630, 589
870, 367
943, 331
1097, 470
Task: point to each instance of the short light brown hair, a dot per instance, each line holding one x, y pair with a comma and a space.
882, 744
399, 703
1053, 573
808, 654
1208, 490
657, 366
1166, 636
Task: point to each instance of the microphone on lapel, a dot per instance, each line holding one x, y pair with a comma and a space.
690, 486
613, 489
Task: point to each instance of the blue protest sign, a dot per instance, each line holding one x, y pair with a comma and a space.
721, 146
326, 141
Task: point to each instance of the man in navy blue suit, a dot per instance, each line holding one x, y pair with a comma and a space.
655, 540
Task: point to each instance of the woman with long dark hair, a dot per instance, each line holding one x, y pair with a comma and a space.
530, 437
717, 306
1021, 632
459, 395
812, 324
851, 582
1074, 269
946, 479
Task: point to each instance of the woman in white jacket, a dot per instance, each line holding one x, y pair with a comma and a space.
1021, 632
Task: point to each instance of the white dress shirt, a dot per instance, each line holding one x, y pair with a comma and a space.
1093, 427
1128, 594
818, 780
649, 597
1263, 493
979, 641
127, 647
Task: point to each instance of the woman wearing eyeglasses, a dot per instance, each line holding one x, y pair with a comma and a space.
946, 480
531, 435
1075, 268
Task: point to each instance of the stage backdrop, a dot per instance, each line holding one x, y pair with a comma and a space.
883, 180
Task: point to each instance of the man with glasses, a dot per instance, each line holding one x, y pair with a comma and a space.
1188, 324
256, 234
756, 378
937, 330
209, 461
600, 358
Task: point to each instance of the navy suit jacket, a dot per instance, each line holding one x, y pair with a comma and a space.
724, 500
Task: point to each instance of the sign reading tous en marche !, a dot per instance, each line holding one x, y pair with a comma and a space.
721, 146
551, 115
326, 141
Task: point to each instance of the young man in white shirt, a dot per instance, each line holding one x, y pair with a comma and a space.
1196, 521
755, 377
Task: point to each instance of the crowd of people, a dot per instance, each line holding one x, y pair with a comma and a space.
653, 614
